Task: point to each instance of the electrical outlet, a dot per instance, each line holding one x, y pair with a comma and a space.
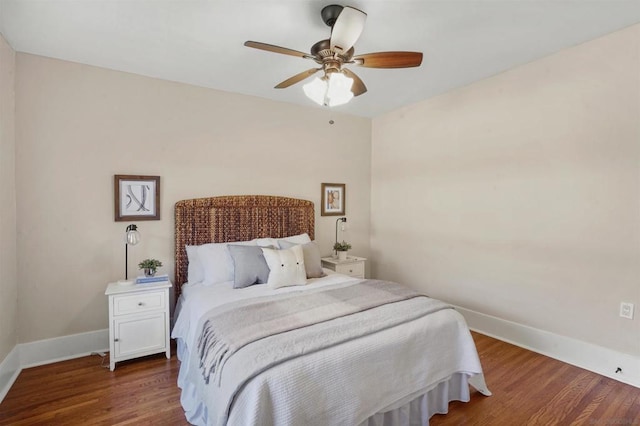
626, 310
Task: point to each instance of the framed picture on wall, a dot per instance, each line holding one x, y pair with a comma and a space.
333, 199
136, 197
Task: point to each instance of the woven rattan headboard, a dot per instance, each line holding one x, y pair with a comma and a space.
237, 218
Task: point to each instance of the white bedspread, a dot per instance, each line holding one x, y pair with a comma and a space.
344, 384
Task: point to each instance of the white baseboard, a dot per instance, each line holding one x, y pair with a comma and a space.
9, 370
32, 354
63, 348
585, 355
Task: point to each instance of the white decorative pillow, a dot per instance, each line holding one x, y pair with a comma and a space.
286, 267
216, 261
296, 239
195, 273
312, 259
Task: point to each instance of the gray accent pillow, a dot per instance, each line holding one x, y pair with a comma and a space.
312, 262
249, 266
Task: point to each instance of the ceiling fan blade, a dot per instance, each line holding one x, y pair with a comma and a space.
347, 29
389, 59
358, 87
297, 78
277, 49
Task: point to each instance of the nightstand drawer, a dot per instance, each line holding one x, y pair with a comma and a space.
141, 302
355, 269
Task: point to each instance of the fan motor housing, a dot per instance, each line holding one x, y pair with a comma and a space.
322, 50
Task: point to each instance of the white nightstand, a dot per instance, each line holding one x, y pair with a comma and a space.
353, 266
138, 320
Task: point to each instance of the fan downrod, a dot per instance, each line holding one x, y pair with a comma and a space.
330, 14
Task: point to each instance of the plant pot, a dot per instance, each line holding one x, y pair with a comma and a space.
149, 272
342, 255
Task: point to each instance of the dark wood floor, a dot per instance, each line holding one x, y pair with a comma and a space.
528, 389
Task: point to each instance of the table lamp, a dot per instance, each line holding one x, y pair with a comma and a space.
132, 237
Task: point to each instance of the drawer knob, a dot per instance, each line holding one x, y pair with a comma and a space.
350, 270
116, 340
140, 304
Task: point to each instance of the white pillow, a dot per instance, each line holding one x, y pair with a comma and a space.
296, 239
266, 242
312, 258
286, 267
216, 261
195, 273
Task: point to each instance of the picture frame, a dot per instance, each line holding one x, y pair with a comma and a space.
136, 197
333, 199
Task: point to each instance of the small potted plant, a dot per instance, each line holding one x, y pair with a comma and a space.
150, 266
341, 249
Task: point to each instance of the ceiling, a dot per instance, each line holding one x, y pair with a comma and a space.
201, 42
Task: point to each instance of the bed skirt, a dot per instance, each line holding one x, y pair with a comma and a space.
419, 410
413, 410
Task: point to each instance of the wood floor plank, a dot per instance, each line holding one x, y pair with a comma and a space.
585, 409
528, 389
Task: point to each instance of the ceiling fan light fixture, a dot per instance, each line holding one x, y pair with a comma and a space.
316, 90
331, 90
339, 90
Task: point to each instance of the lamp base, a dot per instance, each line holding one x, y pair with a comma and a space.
125, 282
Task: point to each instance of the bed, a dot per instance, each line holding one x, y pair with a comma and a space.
303, 346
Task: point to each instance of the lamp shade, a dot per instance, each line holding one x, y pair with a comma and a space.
331, 90
132, 236
316, 90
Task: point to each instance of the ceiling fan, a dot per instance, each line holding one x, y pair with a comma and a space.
339, 84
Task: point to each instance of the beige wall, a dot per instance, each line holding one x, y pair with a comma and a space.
77, 126
519, 196
8, 274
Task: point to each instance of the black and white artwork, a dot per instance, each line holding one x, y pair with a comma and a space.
137, 197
